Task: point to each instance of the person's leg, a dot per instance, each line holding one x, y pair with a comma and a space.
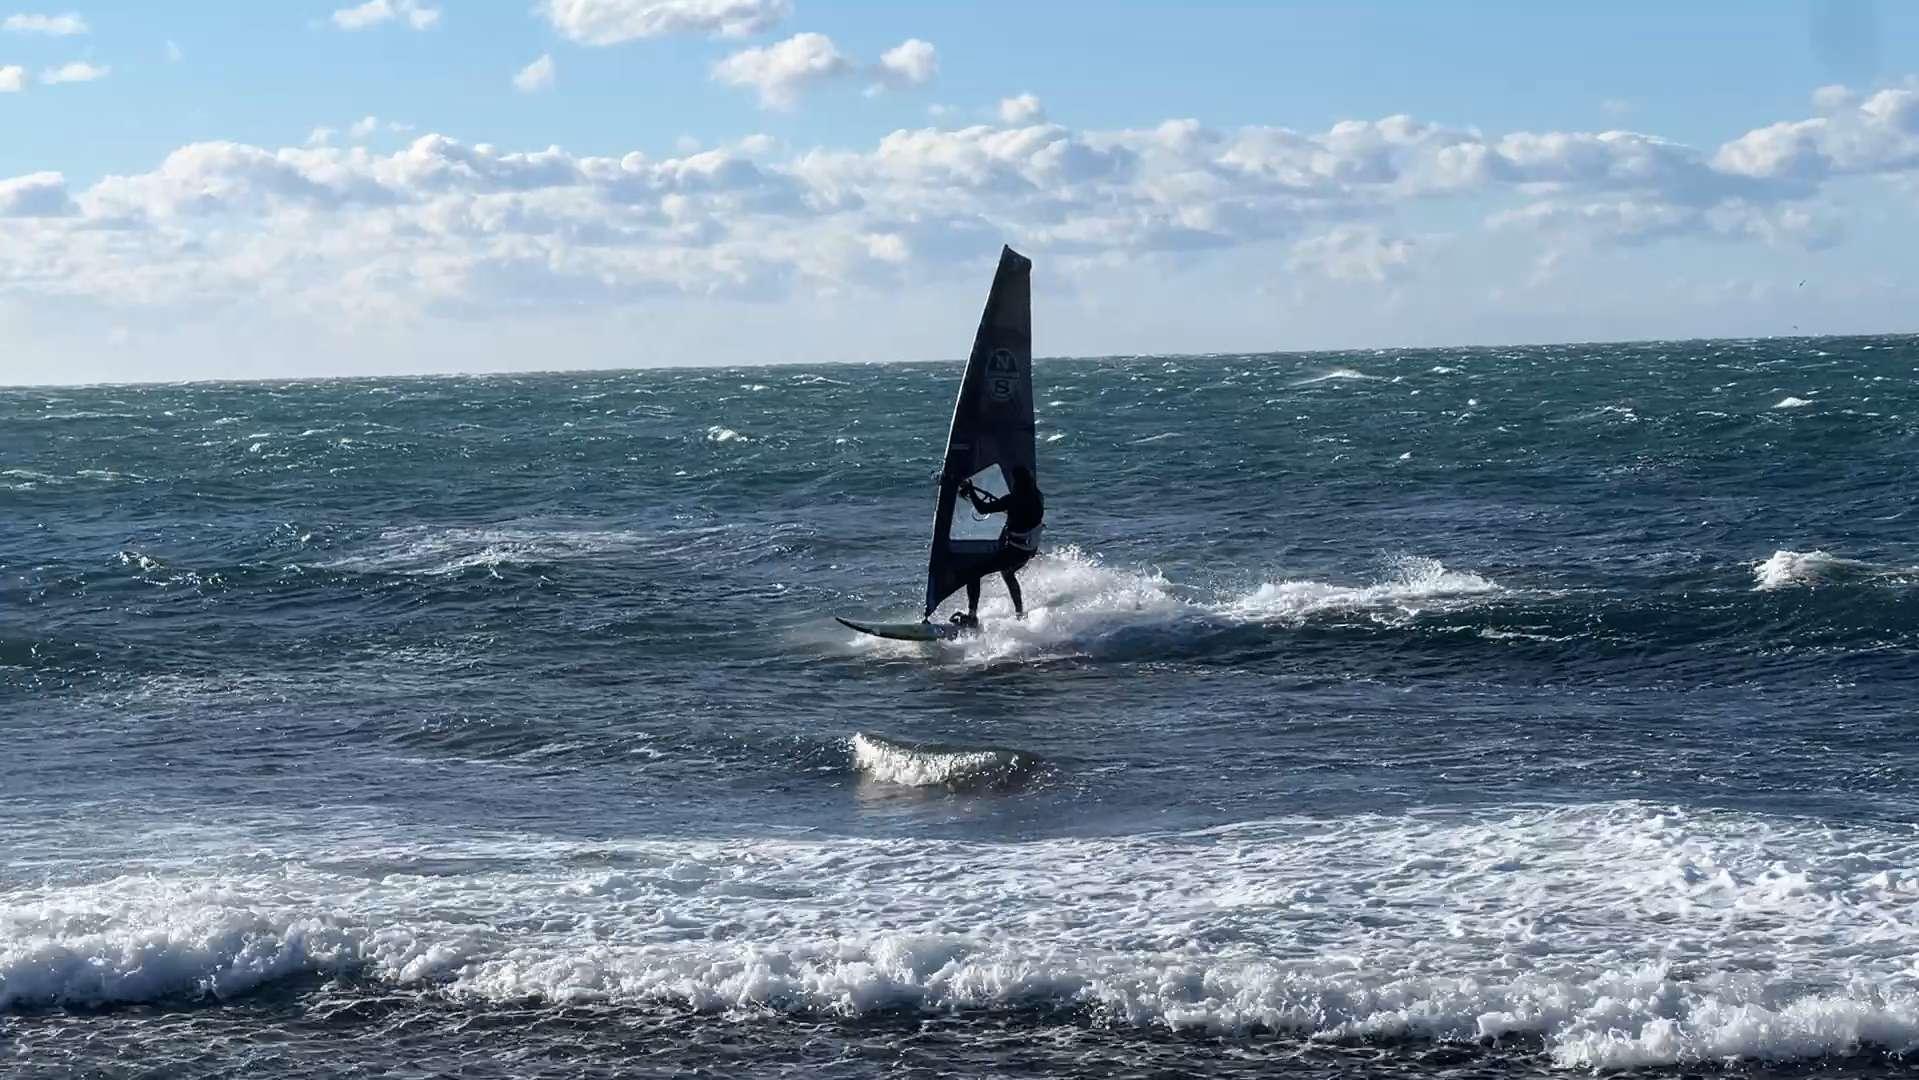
1012, 590
972, 598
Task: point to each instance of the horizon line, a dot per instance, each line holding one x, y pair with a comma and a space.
516, 372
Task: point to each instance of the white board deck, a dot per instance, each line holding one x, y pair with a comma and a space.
904, 631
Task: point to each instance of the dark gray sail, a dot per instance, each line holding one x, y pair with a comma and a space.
992, 429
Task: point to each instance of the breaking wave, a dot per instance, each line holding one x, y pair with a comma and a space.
950, 767
1616, 935
1339, 375
1079, 600
1784, 569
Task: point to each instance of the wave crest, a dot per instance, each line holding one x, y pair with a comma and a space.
1785, 569
953, 768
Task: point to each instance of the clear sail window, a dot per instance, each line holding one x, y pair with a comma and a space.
971, 525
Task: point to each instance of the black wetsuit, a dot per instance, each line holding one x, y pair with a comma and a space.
1025, 510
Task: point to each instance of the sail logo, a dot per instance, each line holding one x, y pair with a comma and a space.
1002, 375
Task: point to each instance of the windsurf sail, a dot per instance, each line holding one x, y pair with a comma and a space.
992, 430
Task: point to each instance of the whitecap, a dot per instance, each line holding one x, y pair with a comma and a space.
951, 767
1785, 568
1612, 935
1338, 375
1416, 582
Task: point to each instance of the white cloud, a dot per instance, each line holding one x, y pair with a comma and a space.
445, 227
1021, 111
1832, 98
910, 63
1353, 253
36, 195
1879, 134
175, 53
52, 25
366, 127
536, 76
779, 72
77, 71
611, 22
373, 13
13, 79
321, 136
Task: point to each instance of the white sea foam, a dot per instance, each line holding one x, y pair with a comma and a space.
1620, 934
1078, 602
28, 479
1415, 584
432, 551
1792, 403
718, 434
957, 768
1338, 375
1807, 568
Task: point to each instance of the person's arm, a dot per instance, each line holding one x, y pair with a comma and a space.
985, 504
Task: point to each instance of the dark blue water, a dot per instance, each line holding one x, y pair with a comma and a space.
1466, 712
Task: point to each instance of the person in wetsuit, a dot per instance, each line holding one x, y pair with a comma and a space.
1025, 509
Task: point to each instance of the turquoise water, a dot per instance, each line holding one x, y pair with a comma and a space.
1466, 712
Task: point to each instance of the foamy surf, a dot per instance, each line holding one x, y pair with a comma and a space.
1808, 569
1339, 375
1414, 584
1076, 601
950, 767
1617, 935
429, 551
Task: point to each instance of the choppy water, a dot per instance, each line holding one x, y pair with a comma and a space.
1468, 712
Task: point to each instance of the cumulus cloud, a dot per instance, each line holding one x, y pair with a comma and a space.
1876, 134
1832, 98
612, 22
41, 194
910, 63
536, 76
373, 13
363, 128
445, 225
51, 25
1353, 253
77, 71
13, 79
1021, 111
779, 72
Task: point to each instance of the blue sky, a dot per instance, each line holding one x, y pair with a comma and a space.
197, 190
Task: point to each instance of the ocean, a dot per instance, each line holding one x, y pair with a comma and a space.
1464, 712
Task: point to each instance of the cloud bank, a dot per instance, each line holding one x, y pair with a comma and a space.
446, 228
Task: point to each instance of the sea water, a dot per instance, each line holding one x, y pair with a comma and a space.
1477, 712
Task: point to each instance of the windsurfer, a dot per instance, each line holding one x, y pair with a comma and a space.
1025, 509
